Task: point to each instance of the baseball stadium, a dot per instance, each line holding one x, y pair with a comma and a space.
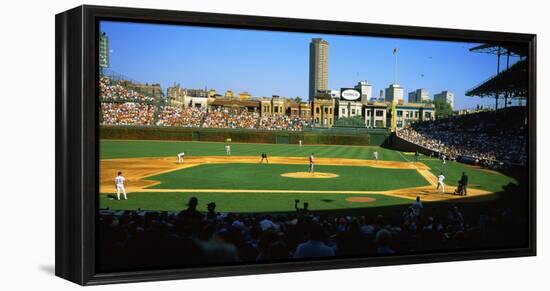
252, 195
212, 179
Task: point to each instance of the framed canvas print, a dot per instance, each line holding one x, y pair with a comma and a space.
198, 144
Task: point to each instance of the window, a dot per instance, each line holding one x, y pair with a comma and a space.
326, 110
343, 111
379, 113
400, 113
317, 111
353, 111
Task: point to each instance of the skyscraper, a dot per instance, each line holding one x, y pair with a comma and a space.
318, 66
366, 91
419, 96
446, 96
394, 91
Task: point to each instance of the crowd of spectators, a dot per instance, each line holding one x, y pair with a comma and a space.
112, 91
183, 117
490, 138
284, 122
189, 237
122, 106
231, 118
227, 118
128, 113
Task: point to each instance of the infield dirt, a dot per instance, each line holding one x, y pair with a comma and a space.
308, 175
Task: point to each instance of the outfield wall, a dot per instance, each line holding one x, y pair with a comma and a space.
311, 136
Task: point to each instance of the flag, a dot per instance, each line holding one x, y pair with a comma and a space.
394, 51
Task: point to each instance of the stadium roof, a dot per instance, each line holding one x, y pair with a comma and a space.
514, 50
512, 80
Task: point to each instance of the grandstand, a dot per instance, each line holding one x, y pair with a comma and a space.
510, 83
121, 105
493, 139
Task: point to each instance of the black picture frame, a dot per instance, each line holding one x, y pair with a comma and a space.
77, 131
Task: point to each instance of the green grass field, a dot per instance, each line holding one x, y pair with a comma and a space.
268, 177
245, 202
114, 149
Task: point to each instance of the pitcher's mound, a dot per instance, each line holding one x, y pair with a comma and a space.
360, 199
307, 175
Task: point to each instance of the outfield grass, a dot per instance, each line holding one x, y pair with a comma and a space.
112, 149
268, 176
244, 202
478, 178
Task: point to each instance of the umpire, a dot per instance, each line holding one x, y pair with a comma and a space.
464, 182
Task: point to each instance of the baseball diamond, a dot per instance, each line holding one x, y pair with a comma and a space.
156, 180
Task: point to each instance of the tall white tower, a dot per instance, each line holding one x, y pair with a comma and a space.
318, 67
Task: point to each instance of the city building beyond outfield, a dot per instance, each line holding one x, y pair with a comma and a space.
325, 109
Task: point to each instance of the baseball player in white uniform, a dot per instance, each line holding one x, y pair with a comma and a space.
375, 154
180, 157
440, 180
300, 143
228, 149
119, 182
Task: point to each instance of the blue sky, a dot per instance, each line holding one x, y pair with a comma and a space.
266, 63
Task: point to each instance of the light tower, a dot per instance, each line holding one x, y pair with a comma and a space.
394, 100
395, 66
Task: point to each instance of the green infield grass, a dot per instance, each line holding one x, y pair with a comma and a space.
268, 177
